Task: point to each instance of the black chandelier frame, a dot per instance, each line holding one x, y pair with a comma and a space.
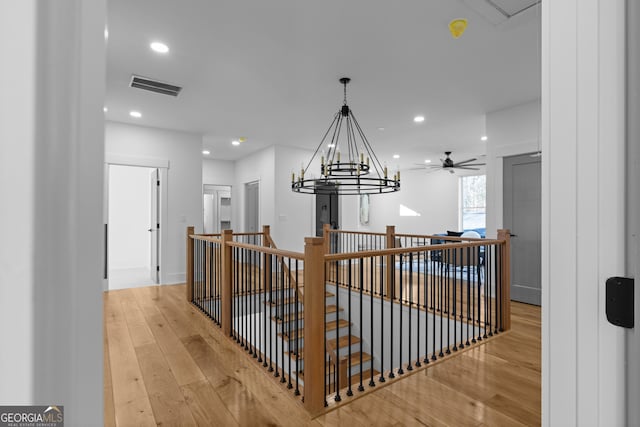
360, 173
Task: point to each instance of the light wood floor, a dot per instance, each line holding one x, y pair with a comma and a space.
165, 365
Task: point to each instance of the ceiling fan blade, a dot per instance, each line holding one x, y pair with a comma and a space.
469, 164
467, 168
466, 161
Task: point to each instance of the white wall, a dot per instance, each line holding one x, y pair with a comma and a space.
129, 215
294, 212
433, 195
183, 151
218, 172
511, 131
259, 167
51, 160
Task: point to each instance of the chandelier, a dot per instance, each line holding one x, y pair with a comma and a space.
352, 168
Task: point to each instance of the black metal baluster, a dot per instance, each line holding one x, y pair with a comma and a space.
255, 277
455, 304
478, 285
440, 299
392, 296
292, 353
371, 284
433, 296
337, 361
360, 387
473, 294
274, 306
297, 346
419, 274
349, 391
469, 298
410, 292
267, 304
447, 299
426, 303
382, 286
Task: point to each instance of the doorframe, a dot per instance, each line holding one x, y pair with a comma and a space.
163, 166
583, 109
245, 198
514, 290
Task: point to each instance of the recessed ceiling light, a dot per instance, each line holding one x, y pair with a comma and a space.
427, 161
105, 109
381, 128
206, 152
396, 156
483, 138
235, 142
159, 47
418, 119
331, 145
136, 114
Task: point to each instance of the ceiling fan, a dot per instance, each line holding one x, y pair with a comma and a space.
449, 165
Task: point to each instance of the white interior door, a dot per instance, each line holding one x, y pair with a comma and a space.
154, 226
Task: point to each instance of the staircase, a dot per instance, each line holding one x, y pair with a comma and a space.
284, 323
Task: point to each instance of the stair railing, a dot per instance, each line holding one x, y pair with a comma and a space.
396, 309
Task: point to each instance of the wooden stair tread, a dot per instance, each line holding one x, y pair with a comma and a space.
289, 317
292, 300
343, 342
355, 357
329, 326
365, 374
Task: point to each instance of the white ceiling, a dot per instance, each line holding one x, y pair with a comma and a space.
268, 71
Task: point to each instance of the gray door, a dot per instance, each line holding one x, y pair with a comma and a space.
252, 203
327, 210
522, 215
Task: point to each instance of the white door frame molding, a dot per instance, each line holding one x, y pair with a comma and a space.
163, 166
583, 221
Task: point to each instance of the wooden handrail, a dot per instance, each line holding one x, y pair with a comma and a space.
364, 233
266, 250
398, 251
205, 238
249, 233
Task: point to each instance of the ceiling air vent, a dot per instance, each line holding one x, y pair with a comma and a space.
154, 86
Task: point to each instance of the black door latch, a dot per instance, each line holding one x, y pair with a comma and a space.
620, 301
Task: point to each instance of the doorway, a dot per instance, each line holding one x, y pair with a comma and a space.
522, 216
327, 209
216, 208
133, 248
252, 207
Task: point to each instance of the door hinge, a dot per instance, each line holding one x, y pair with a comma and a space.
158, 226
158, 183
157, 268
620, 301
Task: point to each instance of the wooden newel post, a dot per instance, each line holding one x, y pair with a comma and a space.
314, 352
189, 263
391, 243
327, 238
266, 235
227, 292
505, 291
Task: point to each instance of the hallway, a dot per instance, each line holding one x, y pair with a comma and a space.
165, 364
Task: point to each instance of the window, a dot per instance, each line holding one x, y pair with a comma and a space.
473, 201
